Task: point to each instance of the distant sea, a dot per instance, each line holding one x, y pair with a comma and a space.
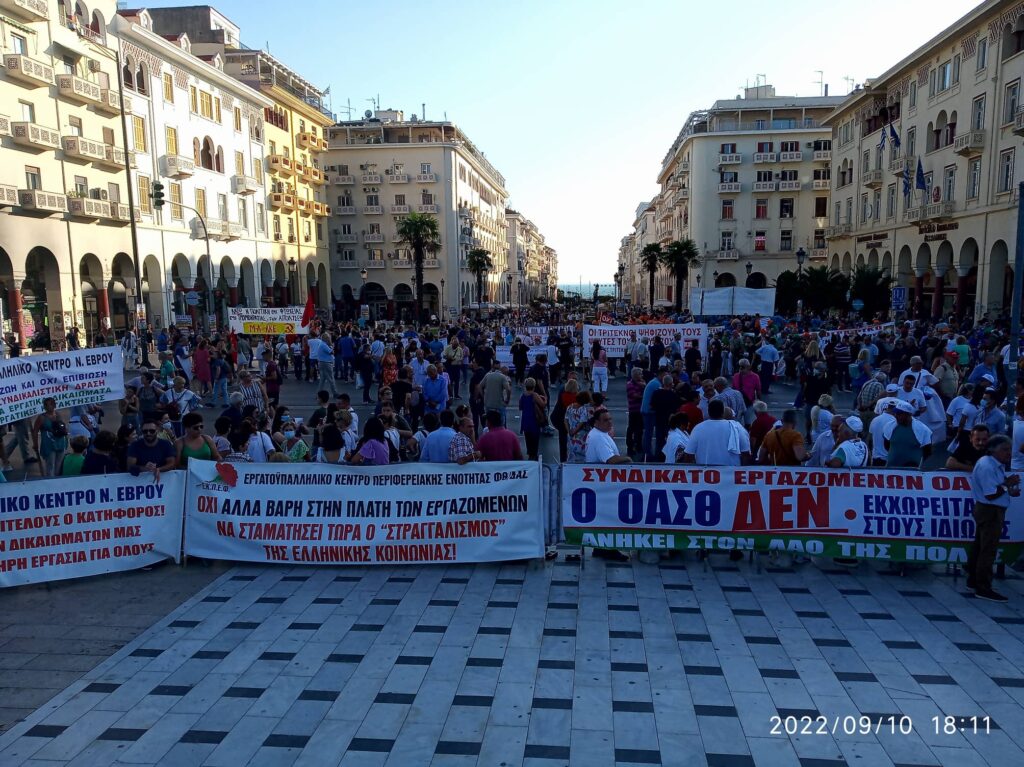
605, 289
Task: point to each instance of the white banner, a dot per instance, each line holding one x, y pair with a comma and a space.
732, 301
269, 321
77, 526
328, 514
504, 354
82, 377
862, 330
615, 338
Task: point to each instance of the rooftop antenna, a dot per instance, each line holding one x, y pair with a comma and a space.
757, 81
849, 83
820, 81
375, 102
347, 109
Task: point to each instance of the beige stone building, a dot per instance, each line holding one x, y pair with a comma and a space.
955, 106
381, 168
532, 264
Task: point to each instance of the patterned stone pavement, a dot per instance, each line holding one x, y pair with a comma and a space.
546, 664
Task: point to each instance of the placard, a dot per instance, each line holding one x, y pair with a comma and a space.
267, 321
504, 354
615, 338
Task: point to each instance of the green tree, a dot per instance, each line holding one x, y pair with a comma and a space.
824, 289
787, 292
650, 260
872, 286
678, 257
478, 261
422, 234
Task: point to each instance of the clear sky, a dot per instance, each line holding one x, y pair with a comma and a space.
577, 101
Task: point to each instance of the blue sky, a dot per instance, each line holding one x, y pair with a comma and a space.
576, 102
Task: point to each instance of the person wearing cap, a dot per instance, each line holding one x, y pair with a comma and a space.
823, 446
948, 378
784, 445
886, 416
851, 452
992, 488
921, 376
909, 393
907, 441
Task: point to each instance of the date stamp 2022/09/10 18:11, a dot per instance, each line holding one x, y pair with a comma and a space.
864, 724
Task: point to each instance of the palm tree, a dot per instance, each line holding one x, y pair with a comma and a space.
650, 260
678, 257
421, 233
479, 261
871, 285
824, 289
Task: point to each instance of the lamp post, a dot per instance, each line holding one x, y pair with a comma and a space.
293, 276
701, 296
509, 277
801, 256
444, 309
362, 293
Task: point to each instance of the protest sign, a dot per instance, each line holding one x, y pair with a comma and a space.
902, 516
615, 338
77, 526
81, 377
732, 301
326, 514
504, 354
267, 321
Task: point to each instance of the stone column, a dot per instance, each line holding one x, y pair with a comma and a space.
938, 297
919, 292
14, 308
103, 307
961, 292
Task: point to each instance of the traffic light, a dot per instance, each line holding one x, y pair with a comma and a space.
157, 194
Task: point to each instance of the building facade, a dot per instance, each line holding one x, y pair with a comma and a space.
380, 169
747, 180
532, 264
955, 107
200, 133
64, 172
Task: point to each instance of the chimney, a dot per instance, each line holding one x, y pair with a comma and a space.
826, 89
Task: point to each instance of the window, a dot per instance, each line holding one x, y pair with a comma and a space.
346, 228
727, 149
786, 240
761, 209
1011, 98
222, 207
237, 116
260, 215
68, 64
193, 99
949, 183
201, 202
18, 44
243, 214
168, 80
944, 77
982, 54
727, 210
33, 178
145, 203
890, 201
932, 79
819, 239
171, 139
239, 164
911, 142
864, 209
374, 228
912, 99
257, 170
839, 212
764, 146
113, 192
174, 197
956, 69
291, 229
786, 207
216, 109
725, 241
849, 210
277, 227
75, 125
728, 177
426, 198
139, 132
789, 175
760, 240
820, 207
973, 179
348, 255
1005, 182
425, 167
399, 199
206, 105
764, 176
978, 113
761, 124
81, 186
876, 204
373, 199
789, 146
865, 161
822, 174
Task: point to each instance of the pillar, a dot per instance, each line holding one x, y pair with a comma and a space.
233, 295
919, 292
268, 295
103, 307
939, 295
14, 308
961, 292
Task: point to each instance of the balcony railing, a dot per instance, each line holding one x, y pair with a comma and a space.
86, 207
5, 125
873, 178
42, 201
8, 195
27, 70
789, 186
315, 176
839, 230
371, 178
373, 237
431, 263
282, 201
427, 208
426, 178
79, 90
938, 211
729, 187
82, 148
727, 255
34, 136
109, 102
311, 141
970, 143
280, 165
347, 239
30, 10
823, 155
340, 180
402, 263
818, 254
1018, 121
762, 157
791, 156
373, 210
913, 214
821, 184
321, 209
764, 186
730, 159
400, 209
114, 157
398, 178
177, 166
376, 263
684, 166
902, 164
303, 205
244, 185
680, 196
345, 210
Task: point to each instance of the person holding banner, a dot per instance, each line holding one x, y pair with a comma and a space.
50, 435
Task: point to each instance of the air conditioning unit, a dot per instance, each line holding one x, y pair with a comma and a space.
810, 145
104, 194
362, 167
94, 65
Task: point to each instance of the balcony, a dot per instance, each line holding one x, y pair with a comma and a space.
79, 90
913, 214
119, 213
42, 202
85, 207
764, 186
840, 230
376, 263
245, 185
78, 148
345, 210
281, 165
760, 157
399, 178
823, 155
727, 255
303, 205
400, 209
729, 187
373, 210
426, 178
791, 157
427, 209
5, 125
680, 196
347, 239
340, 180
431, 263
321, 209
300, 169
1018, 122
177, 166
402, 263
311, 141
316, 176
114, 157
821, 184
34, 136
29, 10
371, 178
902, 164
8, 195
938, 211
684, 166
27, 70
789, 186
970, 144
109, 102
873, 178
819, 254
373, 237
282, 201
730, 159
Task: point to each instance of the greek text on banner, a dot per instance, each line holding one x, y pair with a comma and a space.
325, 514
81, 377
267, 321
76, 526
615, 338
872, 514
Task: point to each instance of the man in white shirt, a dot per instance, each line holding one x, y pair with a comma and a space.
321, 350
992, 488
823, 446
852, 452
910, 393
677, 439
916, 371
769, 356
877, 431
601, 447
717, 441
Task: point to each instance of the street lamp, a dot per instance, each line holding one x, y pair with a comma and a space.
801, 256
444, 309
293, 277
750, 268
510, 290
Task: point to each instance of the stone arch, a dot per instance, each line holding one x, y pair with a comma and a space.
905, 267
923, 261
122, 292
887, 262
218, 160
128, 73
847, 263
944, 256
1013, 38
834, 263
40, 295
153, 290
310, 277
207, 153
861, 262
998, 271
142, 78
227, 271
97, 25
248, 290
323, 286
725, 280
757, 280
873, 258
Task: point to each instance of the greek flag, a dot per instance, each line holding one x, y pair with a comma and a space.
894, 137
906, 181
920, 181
881, 140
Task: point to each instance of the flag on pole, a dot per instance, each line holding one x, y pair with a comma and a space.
920, 181
894, 137
881, 140
310, 311
906, 181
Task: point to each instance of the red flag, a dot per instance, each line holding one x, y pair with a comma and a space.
310, 311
